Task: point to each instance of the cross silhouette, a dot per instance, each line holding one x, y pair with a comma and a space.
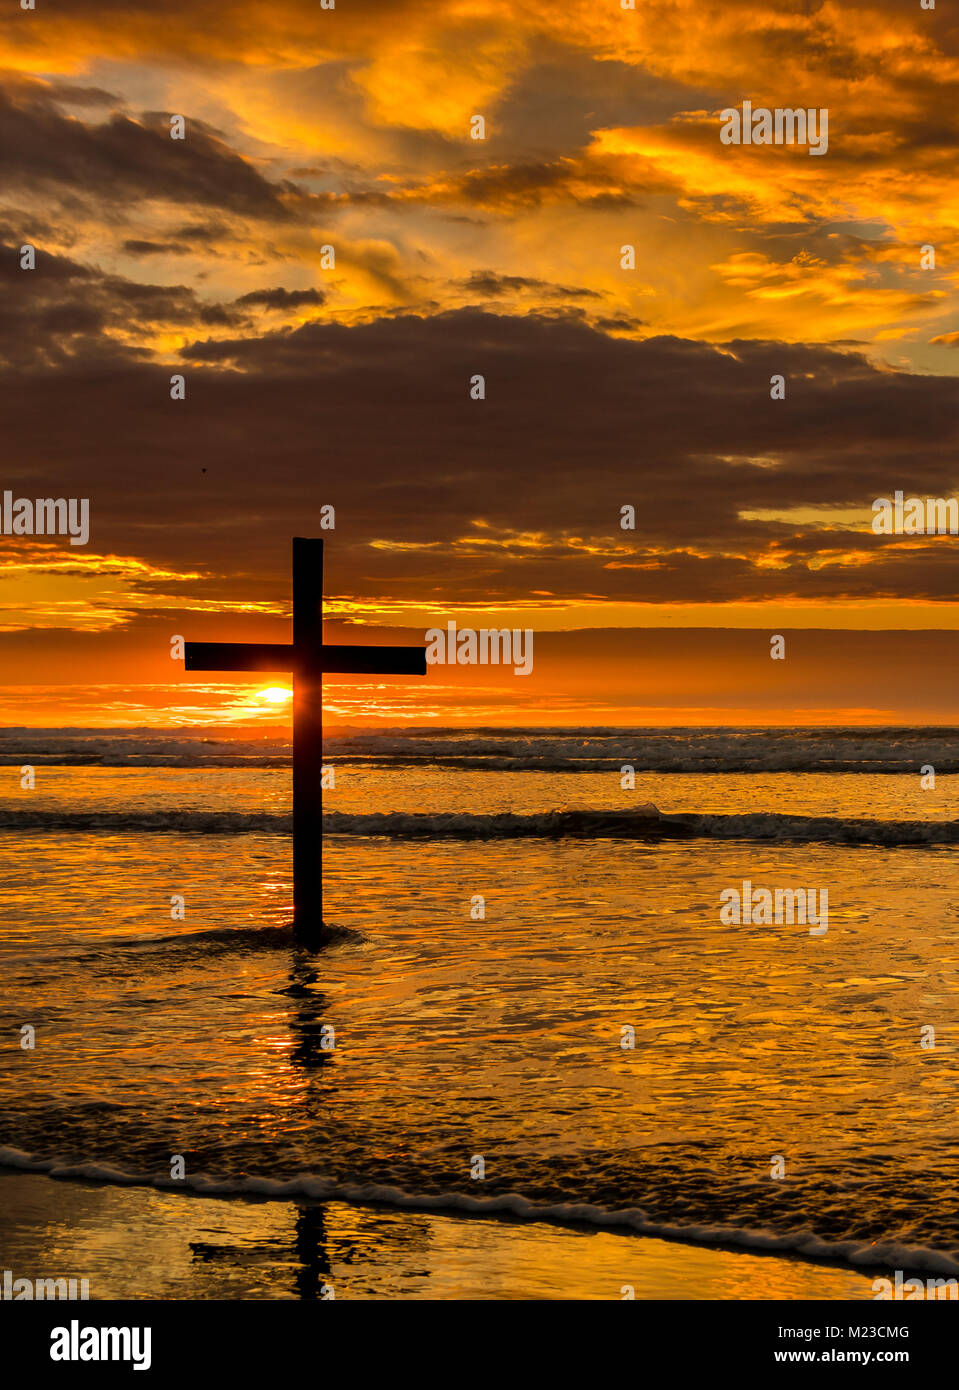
308, 659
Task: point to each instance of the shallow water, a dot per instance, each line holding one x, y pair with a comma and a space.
203, 1248
364, 788
500, 1039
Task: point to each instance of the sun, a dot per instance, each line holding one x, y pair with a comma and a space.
275, 694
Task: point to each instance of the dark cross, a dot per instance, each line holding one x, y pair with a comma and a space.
308, 659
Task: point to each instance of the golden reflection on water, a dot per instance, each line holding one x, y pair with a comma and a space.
362, 788
501, 1036
203, 1248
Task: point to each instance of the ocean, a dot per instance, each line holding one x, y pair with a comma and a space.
530, 1008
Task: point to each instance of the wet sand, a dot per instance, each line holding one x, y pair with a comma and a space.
141, 1243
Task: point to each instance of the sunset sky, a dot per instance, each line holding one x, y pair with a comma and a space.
349, 386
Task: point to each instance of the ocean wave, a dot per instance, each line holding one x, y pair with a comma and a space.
644, 824
175, 947
886, 1255
202, 822
686, 750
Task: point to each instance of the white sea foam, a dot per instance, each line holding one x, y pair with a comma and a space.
882, 1255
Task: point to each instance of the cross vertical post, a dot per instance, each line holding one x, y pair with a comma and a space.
308, 733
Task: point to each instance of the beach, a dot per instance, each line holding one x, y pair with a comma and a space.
203, 1248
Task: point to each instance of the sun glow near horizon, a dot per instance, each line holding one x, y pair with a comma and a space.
275, 694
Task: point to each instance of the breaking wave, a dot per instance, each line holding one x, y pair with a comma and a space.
512, 1205
644, 824
686, 750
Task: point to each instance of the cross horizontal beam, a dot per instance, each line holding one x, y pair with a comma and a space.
374, 661
280, 656
238, 656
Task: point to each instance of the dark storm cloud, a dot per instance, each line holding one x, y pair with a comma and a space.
506, 186
486, 284
377, 420
69, 94
41, 149
63, 312
155, 248
282, 299
530, 184
202, 231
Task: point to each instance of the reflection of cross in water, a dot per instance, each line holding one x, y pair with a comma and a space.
310, 1249
308, 659
306, 1018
